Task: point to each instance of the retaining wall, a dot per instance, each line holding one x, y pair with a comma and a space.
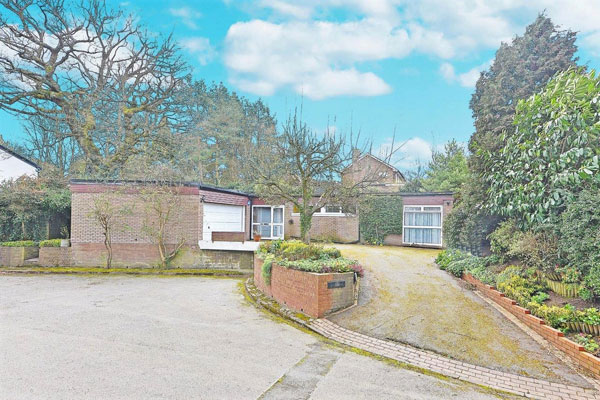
575, 351
16, 256
313, 294
55, 257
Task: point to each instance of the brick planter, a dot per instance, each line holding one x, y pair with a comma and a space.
575, 351
16, 256
313, 294
55, 257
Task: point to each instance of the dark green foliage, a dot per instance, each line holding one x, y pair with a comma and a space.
27, 205
379, 217
447, 170
519, 69
468, 225
591, 282
579, 230
554, 153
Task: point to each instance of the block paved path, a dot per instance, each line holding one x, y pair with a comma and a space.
517, 384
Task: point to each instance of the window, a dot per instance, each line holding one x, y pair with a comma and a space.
422, 225
333, 209
267, 221
330, 211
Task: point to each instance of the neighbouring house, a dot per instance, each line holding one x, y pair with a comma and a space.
377, 174
14, 165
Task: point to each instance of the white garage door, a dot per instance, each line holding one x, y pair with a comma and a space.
222, 218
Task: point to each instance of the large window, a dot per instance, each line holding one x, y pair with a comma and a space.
267, 221
422, 225
330, 211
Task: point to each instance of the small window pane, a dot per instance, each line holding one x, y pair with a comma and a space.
277, 215
278, 231
333, 209
431, 209
407, 208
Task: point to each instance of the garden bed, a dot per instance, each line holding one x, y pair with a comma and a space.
575, 350
307, 278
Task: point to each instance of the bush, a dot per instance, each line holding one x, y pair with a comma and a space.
19, 243
267, 268
535, 250
591, 284
446, 257
324, 265
579, 240
50, 243
502, 239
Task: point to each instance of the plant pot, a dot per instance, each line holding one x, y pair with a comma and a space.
65, 242
257, 238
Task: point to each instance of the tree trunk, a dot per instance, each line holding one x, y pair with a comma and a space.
305, 225
108, 245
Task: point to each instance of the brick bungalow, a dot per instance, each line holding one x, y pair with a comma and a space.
201, 211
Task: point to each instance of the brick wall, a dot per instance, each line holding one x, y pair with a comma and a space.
145, 255
305, 291
575, 351
132, 215
55, 257
16, 256
341, 229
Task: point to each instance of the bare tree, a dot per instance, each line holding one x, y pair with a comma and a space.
305, 168
162, 203
107, 211
90, 68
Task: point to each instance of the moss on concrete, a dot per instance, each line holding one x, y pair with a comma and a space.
411, 301
123, 271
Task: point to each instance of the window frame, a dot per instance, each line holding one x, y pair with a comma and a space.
422, 207
322, 212
271, 224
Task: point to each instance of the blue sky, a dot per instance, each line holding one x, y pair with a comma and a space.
378, 65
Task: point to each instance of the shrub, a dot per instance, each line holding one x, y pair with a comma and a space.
579, 242
587, 341
501, 240
50, 243
448, 256
484, 275
267, 268
556, 317
535, 250
19, 243
330, 252
540, 297
591, 284
324, 265
518, 284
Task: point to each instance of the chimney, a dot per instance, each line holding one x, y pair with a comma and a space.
355, 155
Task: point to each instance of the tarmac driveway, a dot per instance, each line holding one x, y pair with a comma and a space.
177, 338
406, 298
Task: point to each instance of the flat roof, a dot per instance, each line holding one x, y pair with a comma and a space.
154, 182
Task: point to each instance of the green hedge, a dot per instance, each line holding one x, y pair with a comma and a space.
20, 243
380, 215
50, 243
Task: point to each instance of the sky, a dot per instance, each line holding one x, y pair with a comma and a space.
386, 68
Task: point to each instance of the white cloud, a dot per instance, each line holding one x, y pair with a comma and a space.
200, 47
309, 49
285, 8
466, 79
186, 15
407, 155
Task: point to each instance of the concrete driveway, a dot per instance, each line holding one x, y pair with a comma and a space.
64, 337
406, 298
